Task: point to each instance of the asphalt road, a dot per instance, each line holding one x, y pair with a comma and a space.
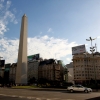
11, 98
45, 94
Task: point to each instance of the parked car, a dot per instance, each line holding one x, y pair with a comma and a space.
79, 88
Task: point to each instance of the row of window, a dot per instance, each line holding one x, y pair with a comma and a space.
80, 78
85, 66
84, 75
81, 60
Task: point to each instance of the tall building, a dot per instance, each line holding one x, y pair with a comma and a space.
12, 73
21, 70
86, 68
6, 73
33, 69
50, 70
70, 72
2, 68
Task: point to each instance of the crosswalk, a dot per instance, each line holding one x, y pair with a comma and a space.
34, 98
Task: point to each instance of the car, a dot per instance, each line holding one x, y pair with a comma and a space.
79, 88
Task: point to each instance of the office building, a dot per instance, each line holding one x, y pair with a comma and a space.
86, 67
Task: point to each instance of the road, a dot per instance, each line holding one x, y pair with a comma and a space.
11, 98
45, 94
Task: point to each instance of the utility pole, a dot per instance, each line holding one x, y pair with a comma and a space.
92, 49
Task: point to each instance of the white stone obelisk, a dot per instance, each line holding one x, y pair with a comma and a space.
21, 70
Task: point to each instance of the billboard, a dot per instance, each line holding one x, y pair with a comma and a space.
2, 63
7, 67
78, 49
33, 57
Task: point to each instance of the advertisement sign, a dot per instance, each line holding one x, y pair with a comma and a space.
2, 63
78, 49
33, 57
7, 67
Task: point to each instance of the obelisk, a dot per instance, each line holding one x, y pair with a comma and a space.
21, 70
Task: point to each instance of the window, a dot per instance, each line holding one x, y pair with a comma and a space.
82, 74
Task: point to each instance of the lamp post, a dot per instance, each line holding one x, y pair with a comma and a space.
92, 49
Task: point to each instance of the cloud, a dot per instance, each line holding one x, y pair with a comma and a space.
2, 27
50, 30
6, 16
8, 48
68, 59
8, 4
98, 37
46, 46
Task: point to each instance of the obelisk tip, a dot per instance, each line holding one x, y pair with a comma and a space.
24, 15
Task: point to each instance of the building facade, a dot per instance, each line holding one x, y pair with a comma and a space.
12, 73
70, 72
86, 67
50, 70
33, 69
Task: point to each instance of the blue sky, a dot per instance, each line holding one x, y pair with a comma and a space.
54, 26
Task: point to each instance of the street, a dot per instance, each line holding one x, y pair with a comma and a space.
11, 98
43, 94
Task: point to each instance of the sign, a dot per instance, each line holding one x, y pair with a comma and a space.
78, 49
33, 57
7, 67
2, 63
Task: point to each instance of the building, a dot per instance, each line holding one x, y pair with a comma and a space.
86, 68
6, 73
2, 68
12, 73
33, 69
70, 72
50, 70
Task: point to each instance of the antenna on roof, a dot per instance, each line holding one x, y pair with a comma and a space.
96, 47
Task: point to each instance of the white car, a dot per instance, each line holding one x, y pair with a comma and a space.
79, 88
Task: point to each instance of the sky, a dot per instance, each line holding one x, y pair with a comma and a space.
54, 27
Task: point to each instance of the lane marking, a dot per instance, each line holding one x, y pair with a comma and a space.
14, 96
34, 97
21, 96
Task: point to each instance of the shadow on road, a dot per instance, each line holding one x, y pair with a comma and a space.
95, 98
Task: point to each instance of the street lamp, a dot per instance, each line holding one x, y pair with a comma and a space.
92, 49
90, 39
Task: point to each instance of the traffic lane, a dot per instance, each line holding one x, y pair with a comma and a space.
95, 98
11, 98
49, 94
84, 96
